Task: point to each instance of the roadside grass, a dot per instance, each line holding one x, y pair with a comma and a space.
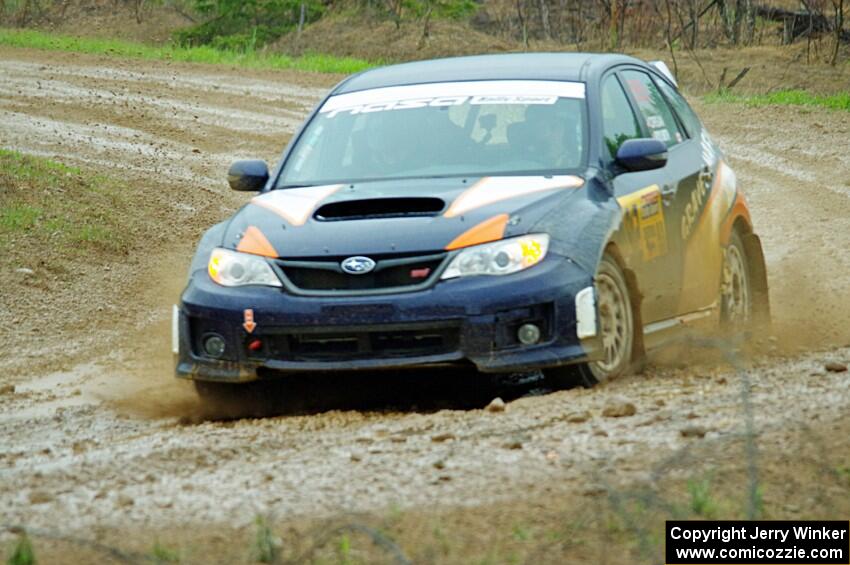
266, 547
701, 501
22, 553
161, 554
48, 204
840, 101
248, 58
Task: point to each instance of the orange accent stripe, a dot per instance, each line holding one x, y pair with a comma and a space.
739, 210
295, 204
488, 230
495, 189
255, 242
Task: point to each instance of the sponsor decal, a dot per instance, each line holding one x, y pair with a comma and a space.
705, 191
654, 122
452, 94
495, 189
639, 91
644, 216
248, 320
709, 155
693, 209
442, 101
705, 185
661, 135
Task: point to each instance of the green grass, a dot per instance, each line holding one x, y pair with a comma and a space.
48, 205
247, 59
162, 555
840, 101
266, 547
701, 502
22, 553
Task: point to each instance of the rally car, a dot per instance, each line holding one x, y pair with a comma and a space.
561, 212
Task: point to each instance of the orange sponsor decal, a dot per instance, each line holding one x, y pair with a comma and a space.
255, 242
495, 189
488, 230
249, 323
295, 204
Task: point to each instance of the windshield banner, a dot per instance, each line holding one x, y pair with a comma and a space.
525, 92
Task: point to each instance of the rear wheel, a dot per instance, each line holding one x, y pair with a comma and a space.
736, 297
616, 327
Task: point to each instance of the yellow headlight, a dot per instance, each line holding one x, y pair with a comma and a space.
532, 252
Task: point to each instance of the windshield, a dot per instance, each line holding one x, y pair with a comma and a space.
443, 129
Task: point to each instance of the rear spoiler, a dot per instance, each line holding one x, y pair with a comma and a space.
662, 67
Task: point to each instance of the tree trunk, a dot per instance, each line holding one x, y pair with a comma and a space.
839, 27
522, 23
25, 14
749, 22
613, 31
544, 20
302, 16
693, 12
140, 6
426, 24
727, 17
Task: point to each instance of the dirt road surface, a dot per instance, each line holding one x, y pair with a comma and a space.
97, 436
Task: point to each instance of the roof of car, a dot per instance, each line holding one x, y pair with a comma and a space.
513, 66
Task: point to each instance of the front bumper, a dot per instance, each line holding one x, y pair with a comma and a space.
459, 321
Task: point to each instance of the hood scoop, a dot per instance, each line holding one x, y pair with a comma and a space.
372, 208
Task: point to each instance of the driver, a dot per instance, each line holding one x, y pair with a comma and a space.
550, 128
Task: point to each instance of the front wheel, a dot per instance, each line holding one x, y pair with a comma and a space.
616, 327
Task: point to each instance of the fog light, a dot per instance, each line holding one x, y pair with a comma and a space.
214, 346
528, 334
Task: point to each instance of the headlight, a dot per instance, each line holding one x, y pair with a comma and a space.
231, 268
499, 258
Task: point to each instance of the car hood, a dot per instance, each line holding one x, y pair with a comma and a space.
393, 216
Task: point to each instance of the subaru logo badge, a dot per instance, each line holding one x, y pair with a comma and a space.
357, 265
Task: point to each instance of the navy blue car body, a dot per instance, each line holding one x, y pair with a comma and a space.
359, 269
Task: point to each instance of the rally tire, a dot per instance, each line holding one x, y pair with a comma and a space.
616, 326
736, 290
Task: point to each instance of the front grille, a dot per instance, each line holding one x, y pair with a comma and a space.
354, 343
389, 273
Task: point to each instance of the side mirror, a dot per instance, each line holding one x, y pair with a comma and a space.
643, 154
248, 176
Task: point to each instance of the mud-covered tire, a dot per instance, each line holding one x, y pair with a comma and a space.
736, 290
616, 325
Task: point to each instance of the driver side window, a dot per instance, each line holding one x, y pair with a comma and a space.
618, 120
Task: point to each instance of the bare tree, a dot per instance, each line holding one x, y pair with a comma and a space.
522, 21
139, 10
838, 27
395, 8
24, 16
544, 19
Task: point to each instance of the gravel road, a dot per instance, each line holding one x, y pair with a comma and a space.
102, 436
